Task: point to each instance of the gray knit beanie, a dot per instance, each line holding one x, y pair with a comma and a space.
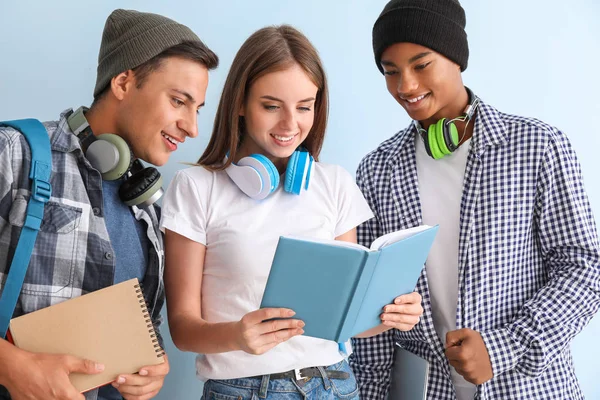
435, 24
131, 38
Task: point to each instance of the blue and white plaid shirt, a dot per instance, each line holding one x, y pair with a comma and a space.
72, 254
529, 262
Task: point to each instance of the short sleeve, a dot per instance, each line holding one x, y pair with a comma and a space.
183, 209
353, 209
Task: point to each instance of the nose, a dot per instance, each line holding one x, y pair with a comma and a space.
288, 120
189, 124
407, 84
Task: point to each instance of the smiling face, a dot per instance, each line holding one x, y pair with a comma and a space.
278, 114
426, 84
159, 114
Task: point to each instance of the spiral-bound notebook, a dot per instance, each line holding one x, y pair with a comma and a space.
110, 326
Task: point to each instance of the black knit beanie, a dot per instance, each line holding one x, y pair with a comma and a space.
435, 24
131, 38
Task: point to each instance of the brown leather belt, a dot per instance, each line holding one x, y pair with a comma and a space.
307, 373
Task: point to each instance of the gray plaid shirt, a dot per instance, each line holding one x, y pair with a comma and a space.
72, 254
529, 261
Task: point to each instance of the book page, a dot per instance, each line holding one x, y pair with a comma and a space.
396, 236
332, 242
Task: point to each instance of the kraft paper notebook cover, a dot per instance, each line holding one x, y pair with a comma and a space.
338, 288
110, 326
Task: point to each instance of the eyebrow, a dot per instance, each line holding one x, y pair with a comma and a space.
187, 96
281, 101
419, 56
410, 61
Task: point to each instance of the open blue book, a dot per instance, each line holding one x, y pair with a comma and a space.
339, 288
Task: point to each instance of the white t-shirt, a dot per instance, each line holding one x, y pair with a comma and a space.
440, 188
241, 236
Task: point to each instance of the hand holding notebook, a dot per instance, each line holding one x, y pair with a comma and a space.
110, 326
338, 288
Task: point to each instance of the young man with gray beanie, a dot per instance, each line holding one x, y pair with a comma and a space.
101, 227
514, 273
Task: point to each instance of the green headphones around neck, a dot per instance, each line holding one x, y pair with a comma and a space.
442, 137
110, 155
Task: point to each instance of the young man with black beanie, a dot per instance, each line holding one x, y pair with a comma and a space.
514, 273
100, 226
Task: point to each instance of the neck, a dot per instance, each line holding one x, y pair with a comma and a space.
451, 111
101, 118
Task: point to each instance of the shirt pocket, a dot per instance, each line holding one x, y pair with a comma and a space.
53, 260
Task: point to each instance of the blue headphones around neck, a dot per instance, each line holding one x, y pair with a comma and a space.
258, 177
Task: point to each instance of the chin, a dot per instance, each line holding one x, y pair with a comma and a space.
158, 161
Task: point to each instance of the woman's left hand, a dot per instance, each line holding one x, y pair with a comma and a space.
404, 313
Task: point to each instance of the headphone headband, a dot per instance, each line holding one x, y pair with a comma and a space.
471, 105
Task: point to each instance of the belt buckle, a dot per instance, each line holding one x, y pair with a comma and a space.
298, 375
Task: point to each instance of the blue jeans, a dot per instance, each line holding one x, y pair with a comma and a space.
317, 388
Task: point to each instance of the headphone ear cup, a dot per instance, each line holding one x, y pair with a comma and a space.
432, 135
450, 136
271, 169
141, 187
425, 136
443, 137
254, 175
297, 171
110, 155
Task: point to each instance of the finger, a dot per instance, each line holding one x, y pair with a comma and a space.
410, 298
454, 355
258, 316
135, 380
461, 372
278, 337
135, 390
278, 325
455, 338
400, 318
413, 309
159, 370
83, 366
410, 309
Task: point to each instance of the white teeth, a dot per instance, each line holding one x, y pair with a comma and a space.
170, 139
283, 138
416, 99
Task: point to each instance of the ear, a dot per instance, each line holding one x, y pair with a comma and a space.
122, 84
242, 111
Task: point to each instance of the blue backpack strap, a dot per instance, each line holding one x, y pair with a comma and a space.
41, 168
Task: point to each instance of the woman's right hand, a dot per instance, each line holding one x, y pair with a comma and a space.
256, 335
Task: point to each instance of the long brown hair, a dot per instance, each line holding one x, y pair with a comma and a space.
269, 49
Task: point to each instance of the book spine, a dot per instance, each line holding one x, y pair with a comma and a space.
369, 262
140, 295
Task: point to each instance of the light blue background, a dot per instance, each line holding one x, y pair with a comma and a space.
535, 58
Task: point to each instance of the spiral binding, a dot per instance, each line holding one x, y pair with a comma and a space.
140, 295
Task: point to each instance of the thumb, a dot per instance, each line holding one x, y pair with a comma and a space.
83, 366
455, 338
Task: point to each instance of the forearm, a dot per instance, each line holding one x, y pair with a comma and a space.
372, 362
10, 357
373, 331
544, 326
198, 336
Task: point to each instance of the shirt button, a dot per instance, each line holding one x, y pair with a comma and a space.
108, 255
96, 211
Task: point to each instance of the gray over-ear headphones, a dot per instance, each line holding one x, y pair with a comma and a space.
112, 157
